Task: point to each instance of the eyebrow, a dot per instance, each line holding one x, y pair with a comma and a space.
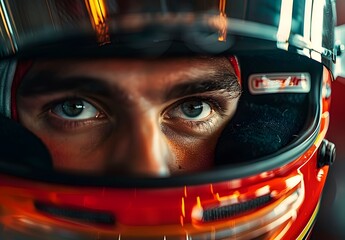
227, 81
46, 82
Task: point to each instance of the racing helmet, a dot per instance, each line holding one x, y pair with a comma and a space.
271, 160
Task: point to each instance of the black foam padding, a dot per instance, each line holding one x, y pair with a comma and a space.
19, 148
233, 210
78, 215
262, 128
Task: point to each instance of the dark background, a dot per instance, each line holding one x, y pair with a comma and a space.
330, 224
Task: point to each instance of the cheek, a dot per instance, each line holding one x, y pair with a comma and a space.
192, 155
82, 153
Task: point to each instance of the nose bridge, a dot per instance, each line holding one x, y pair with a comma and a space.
150, 152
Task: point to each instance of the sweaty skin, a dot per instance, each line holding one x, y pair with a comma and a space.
135, 117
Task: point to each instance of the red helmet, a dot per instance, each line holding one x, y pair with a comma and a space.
271, 159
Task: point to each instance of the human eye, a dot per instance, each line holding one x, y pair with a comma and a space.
75, 109
194, 110
195, 115
74, 113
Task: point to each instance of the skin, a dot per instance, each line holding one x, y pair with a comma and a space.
133, 117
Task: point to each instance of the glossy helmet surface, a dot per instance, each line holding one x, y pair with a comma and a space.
272, 159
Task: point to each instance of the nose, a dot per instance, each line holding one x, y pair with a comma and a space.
148, 151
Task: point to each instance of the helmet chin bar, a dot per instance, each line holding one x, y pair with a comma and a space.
261, 206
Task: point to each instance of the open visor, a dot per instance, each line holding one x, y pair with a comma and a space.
150, 27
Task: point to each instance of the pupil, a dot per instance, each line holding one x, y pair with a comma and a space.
192, 109
73, 108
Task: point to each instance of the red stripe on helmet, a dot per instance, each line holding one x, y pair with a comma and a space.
234, 62
21, 70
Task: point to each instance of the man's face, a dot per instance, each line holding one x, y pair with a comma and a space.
129, 117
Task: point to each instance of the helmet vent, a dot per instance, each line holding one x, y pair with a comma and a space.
80, 215
233, 210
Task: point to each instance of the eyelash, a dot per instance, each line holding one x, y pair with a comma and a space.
217, 105
201, 125
69, 124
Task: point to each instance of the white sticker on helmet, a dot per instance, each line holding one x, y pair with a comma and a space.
265, 83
